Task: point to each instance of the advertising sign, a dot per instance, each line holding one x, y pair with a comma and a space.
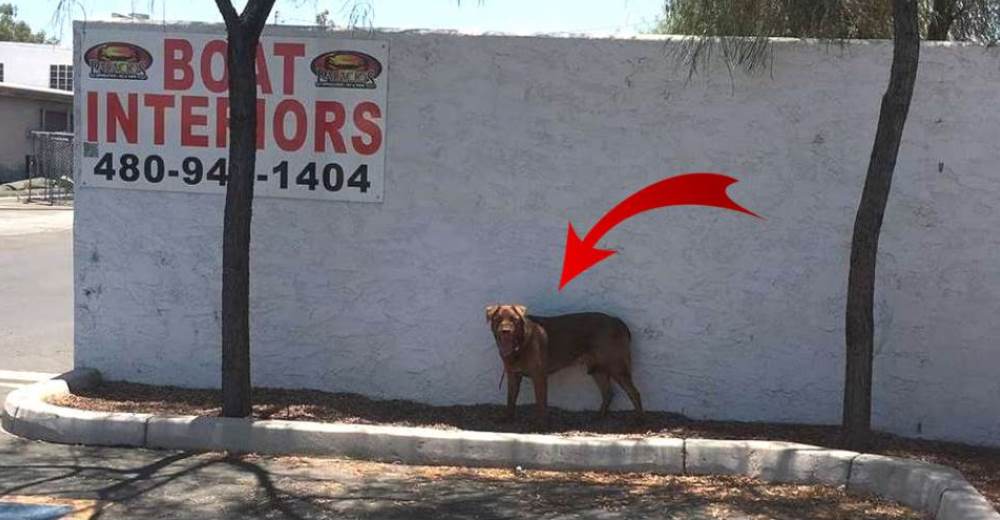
152, 112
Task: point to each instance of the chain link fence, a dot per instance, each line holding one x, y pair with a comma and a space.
51, 163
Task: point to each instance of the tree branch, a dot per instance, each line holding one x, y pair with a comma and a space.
255, 15
228, 13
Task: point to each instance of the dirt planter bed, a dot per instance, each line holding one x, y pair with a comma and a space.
938, 491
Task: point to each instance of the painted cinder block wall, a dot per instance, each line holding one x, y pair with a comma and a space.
495, 143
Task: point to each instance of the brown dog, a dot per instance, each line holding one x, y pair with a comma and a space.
536, 346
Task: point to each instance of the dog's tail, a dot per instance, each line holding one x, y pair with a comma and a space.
628, 345
628, 332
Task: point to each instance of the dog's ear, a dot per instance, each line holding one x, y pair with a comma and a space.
521, 310
490, 311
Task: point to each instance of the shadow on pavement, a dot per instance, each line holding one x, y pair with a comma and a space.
157, 484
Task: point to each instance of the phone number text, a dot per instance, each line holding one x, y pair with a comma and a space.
193, 171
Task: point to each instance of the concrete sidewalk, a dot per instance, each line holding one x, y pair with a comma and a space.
19, 219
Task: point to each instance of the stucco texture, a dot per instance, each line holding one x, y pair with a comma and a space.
495, 143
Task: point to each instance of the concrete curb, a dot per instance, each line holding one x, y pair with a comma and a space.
772, 461
916, 484
938, 491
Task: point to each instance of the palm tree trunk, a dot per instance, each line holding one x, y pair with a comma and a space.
868, 222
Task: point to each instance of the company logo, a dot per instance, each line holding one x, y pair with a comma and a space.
346, 69
117, 60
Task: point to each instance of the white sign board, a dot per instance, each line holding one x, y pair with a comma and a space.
152, 112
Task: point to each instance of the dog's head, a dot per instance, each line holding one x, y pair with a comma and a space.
507, 324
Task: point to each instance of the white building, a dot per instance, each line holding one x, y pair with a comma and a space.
36, 65
36, 83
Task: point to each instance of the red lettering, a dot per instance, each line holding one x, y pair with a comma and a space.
159, 103
118, 117
221, 122
92, 116
174, 63
289, 51
367, 126
329, 128
293, 143
212, 49
263, 79
190, 120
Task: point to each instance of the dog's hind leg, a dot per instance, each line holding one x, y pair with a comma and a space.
624, 380
604, 384
541, 387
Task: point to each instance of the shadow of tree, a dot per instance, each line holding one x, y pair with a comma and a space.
981, 465
220, 485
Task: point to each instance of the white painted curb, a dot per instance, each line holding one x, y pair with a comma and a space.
772, 461
935, 490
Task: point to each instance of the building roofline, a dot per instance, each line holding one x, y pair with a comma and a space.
52, 46
39, 93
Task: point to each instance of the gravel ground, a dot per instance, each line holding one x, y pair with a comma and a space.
981, 466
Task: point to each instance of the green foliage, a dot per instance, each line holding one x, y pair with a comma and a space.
323, 19
778, 18
959, 20
12, 30
739, 31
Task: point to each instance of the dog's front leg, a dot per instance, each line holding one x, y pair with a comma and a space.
513, 388
540, 383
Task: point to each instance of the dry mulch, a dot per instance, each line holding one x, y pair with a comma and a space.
979, 465
729, 496
549, 493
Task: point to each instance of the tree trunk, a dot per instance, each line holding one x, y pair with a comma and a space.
942, 16
868, 223
236, 399
243, 33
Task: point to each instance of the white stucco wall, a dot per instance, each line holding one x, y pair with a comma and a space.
494, 143
28, 63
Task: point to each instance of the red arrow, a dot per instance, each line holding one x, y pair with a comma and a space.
689, 189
